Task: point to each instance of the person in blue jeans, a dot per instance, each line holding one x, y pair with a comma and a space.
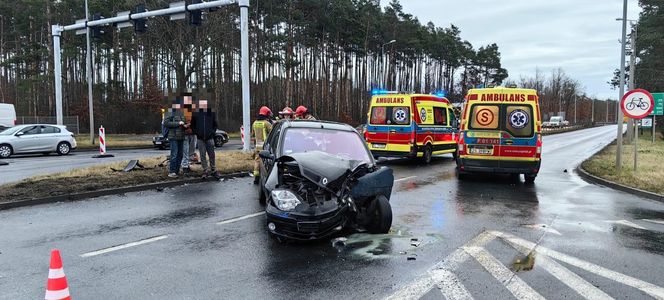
176, 125
204, 125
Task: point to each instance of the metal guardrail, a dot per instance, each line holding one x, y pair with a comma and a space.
70, 121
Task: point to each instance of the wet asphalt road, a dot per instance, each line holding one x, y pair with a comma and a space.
591, 241
24, 166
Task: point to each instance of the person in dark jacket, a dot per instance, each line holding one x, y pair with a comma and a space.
204, 125
176, 126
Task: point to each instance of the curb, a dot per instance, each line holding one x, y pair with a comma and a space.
115, 149
617, 186
113, 191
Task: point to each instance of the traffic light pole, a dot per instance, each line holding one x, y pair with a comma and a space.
88, 75
56, 31
244, 41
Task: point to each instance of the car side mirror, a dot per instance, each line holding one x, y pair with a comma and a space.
266, 154
19, 134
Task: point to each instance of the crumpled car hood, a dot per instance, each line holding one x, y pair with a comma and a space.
322, 168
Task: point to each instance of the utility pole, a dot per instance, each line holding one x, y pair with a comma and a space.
88, 72
592, 114
574, 108
619, 115
632, 66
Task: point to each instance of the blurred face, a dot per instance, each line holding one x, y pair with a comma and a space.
187, 100
176, 106
203, 104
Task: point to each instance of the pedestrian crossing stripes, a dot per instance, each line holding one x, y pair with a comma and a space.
443, 275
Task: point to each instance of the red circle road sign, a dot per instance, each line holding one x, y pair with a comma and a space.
637, 104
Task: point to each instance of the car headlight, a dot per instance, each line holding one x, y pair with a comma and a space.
285, 200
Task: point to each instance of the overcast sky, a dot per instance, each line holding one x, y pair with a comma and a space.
580, 36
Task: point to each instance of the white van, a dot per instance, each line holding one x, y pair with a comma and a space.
7, 116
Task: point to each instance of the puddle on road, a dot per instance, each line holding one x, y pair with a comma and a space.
398, 243
524, 263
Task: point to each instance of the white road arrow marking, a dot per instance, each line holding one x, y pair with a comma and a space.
627, 223
542, 227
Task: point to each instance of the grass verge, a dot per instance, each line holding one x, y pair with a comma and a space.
115, 141
649, 175
102, 177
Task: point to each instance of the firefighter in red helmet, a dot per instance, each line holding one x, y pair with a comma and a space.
260, 129
302, 113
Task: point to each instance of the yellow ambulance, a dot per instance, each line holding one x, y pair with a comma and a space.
501, 132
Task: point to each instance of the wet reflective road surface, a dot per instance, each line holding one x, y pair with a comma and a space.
484, 238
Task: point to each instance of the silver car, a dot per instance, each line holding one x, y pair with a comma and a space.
36, 138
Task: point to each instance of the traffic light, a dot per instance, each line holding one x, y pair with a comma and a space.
196, 16
140, 25
96, 31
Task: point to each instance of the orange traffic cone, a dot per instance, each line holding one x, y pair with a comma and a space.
56, 287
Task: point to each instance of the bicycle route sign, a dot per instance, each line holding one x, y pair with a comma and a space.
637, 104
659, 104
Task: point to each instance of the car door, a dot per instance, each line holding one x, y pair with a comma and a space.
483, 137
519, 141
26, 139
49, 138
271, 144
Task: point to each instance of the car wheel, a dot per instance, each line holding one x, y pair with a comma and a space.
382, 216
428, 153
63, 148
530, 179
461, 175
5, 151
218, 141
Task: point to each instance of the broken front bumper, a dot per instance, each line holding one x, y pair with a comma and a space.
293, 225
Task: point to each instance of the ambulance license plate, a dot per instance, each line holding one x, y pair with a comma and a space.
481, 151
378, 146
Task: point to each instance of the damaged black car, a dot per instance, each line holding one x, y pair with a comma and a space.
318, 178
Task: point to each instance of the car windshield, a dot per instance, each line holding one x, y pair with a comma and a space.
344, 144
10, 131
556, 119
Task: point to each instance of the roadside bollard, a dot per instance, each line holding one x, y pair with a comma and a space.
102, 144
242, 134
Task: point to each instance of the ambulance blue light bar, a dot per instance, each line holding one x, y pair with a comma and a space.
375, 92
441, 93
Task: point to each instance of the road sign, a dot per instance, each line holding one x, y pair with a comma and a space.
659, 104
637, 104
646, 123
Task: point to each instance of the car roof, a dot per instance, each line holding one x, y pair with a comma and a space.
317, 124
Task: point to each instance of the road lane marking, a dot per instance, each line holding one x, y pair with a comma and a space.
405, 178
627, 223
233, 220
450, 286
569, 278
509, 279
124, 246
661, 222
649, 288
